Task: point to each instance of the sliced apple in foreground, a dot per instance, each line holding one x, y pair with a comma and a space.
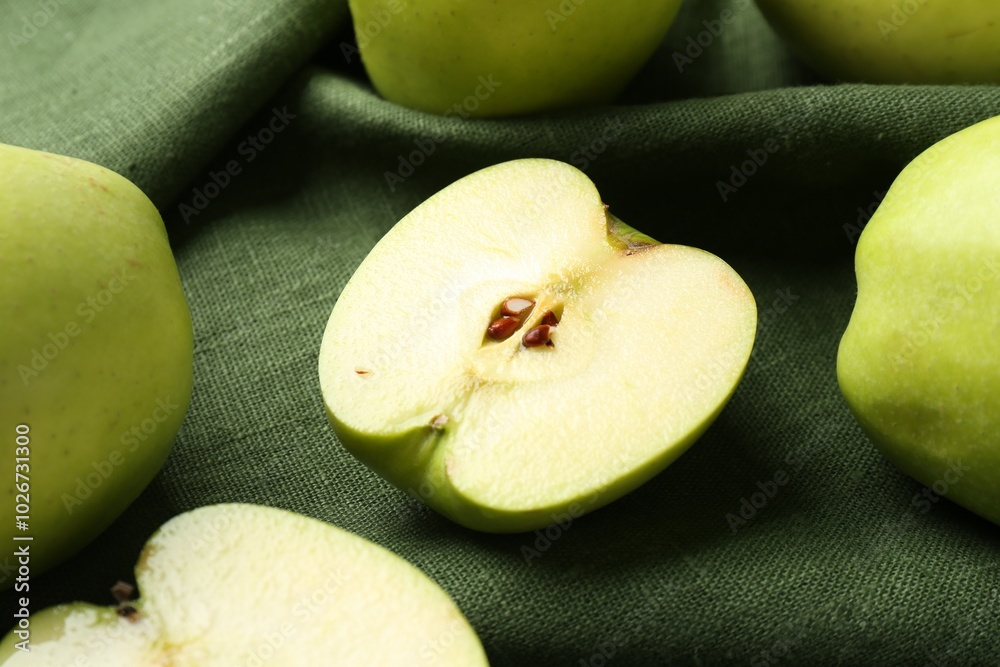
248, 585
616, 353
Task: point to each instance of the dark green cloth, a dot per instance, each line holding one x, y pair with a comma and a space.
840, 566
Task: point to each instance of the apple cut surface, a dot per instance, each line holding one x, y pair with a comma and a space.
648, 344
249, 585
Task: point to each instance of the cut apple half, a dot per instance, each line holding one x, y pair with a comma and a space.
627, 352
254, 586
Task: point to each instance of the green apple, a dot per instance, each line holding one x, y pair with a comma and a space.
504, 58
96, 352
515, 356
893, 41
252, 586
919, 363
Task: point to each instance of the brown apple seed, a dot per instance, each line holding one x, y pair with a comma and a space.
126, 610
550, 319
122, 591
515, 306
503, 328
537, 337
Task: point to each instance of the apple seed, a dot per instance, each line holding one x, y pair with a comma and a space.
439, 421
122, 591
515, 306
126, 610
503, 328
537, 337
550, 319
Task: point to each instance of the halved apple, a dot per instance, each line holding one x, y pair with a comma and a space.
250, 585
627, 352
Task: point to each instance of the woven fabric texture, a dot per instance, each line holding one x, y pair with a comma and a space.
839, 567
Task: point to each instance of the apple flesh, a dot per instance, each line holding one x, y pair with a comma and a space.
919, 363
96, 353
505, 58
249, 585
893, 41
648, 342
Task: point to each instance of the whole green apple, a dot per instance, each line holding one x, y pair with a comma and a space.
215, 594
919, 363
893, 41
96, 352
514, 356
504, 58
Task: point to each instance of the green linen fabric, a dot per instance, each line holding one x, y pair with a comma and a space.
845, 563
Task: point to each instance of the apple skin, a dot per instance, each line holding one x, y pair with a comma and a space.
919, 363
499, 436
893, 41
506, 58
96, 352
